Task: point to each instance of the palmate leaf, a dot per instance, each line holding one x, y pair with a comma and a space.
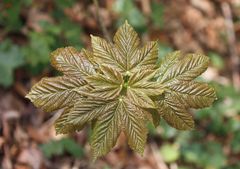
107, 129
119, 87
174, 112
183, 67
106, 54
177, 71
55, 93
127, 43
175, 74
85, 110
107, 85
166, 63
125, 54
140, 88
146, 57
69, 61
134, 126
140, 98
141, 81
61, 125
194, 94
119, 115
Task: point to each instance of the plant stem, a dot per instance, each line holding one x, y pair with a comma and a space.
231, 37
100, 21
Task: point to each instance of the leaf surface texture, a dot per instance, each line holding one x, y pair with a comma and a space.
119, 87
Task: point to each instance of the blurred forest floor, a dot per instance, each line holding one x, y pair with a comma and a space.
31, 29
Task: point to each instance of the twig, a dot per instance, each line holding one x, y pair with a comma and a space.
51, 121
160, 164
100, 21
146, 7
235, 61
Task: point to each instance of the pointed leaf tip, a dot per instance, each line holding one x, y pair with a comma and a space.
27, 96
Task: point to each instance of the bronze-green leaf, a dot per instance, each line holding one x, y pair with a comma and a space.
63, 127
194, 94
141, 81
140, 88
167, 62
181, 67
105, 54
107, 85
119, 87
69, 61
140, 98
85, 110
174, 112
127, 43
107, 129
134, 126
57, 92
146, 57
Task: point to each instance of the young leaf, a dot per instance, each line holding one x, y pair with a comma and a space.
194, 94
166, 63
107, 85
61, 125
140, 98
107, 129
55, 93
174, 112
140, 81
69, 61
182, 67
127, 43
106, 54
120, 88
140, 88
85, 110
146, 57
134, 126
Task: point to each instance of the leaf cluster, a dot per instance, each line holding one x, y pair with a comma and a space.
118, 87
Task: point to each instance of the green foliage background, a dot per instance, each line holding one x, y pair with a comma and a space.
204, 148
